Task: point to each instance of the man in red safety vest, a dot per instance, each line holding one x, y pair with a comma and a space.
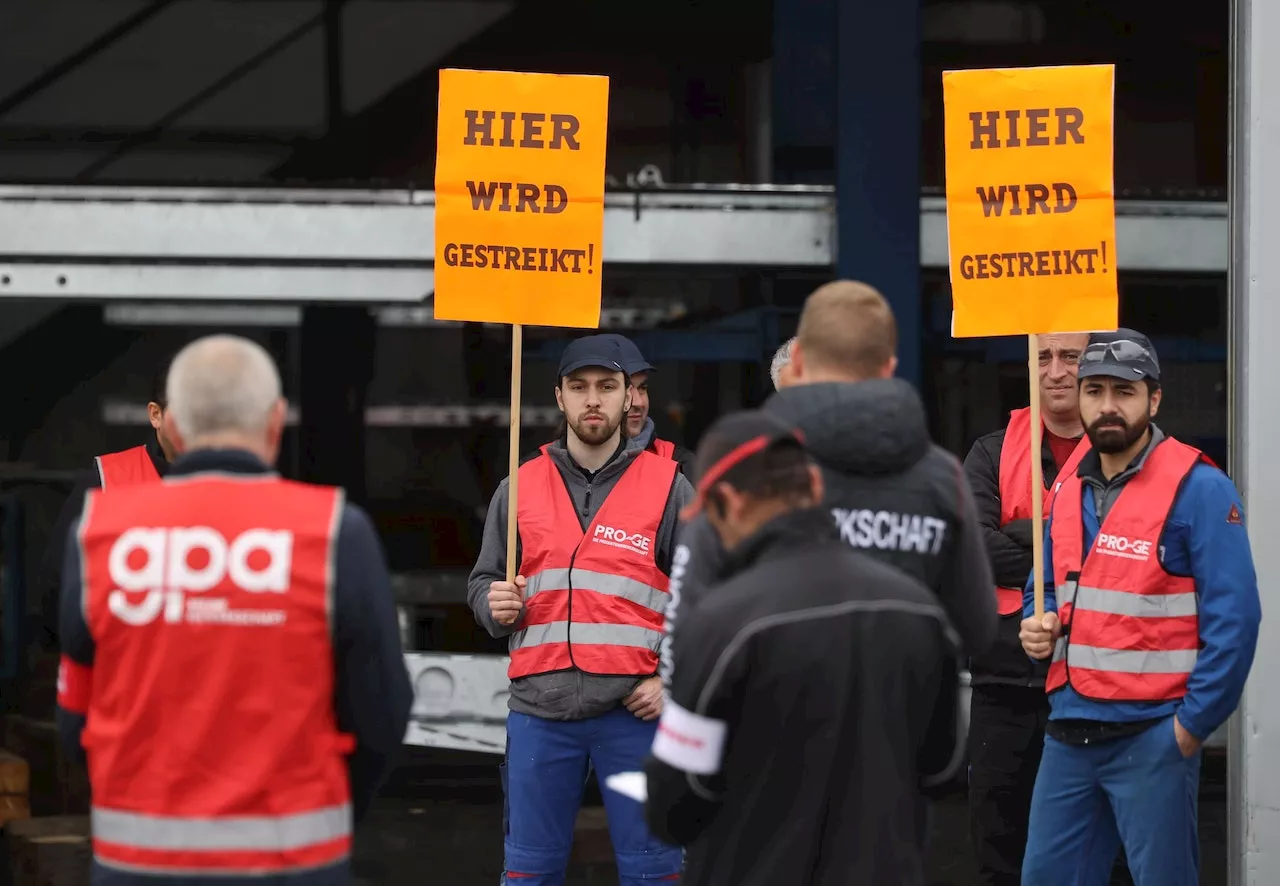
640, 428
1009, 708
145, 463
1151, 618
231, 667
595, 524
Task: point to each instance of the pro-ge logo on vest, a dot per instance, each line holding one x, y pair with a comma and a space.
1122, 546
166, 565
636, 542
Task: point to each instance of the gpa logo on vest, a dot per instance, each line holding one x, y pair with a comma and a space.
1122, 546
636, 543
157, 570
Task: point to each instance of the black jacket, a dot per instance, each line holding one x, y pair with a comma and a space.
819, 667
49, 578
1009, 550
891, 493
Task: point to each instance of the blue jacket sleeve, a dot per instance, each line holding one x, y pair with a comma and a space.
74, 639
372, 691
1029, 591
1230, 611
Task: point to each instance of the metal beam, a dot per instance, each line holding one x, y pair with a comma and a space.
1253, 793
376, 245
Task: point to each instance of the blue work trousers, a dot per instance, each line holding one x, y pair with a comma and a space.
543, 779
1137, 792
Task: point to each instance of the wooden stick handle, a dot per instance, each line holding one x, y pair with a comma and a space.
1037, 475
513, 459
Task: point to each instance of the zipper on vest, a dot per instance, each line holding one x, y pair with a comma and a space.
568, 628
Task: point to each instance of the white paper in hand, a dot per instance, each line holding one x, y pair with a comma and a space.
630, 784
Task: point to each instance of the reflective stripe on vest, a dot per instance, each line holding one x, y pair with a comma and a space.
595, 600
277, 833
664, 448
126, 468
214, 592
1015, 487
1130, 629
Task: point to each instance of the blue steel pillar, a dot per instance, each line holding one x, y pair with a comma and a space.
878, 159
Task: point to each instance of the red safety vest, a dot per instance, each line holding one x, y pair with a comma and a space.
126, 468
211, 735
1131, 630
595, 600
664, 448
1015, 487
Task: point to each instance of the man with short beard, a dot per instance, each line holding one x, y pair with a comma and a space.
595, 528
1151, 643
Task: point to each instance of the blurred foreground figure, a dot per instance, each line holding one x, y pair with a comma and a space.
802, 688
231, 663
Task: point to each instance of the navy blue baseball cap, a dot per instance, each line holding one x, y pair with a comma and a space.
600, 351
1125, 354
632, 360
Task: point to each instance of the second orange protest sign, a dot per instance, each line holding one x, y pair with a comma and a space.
1030, 199
519, 222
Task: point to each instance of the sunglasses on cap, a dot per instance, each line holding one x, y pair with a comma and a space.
1122, 351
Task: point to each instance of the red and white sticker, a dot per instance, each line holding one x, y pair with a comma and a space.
689, 742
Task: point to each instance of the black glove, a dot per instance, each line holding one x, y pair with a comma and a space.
1020, 531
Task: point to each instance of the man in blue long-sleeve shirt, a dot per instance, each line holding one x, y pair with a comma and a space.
1151, 621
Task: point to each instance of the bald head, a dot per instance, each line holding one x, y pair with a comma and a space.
846, 333
224, 390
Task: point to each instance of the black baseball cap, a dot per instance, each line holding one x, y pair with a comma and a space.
632, 360
1125, 353
732, 440
591, 350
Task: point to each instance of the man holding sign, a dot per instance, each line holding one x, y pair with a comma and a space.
1009, 709
1151, 643
595, 526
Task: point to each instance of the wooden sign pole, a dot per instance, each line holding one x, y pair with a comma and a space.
1037, 475
513, 458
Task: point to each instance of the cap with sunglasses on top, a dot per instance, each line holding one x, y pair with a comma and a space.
1124, 354
732, 440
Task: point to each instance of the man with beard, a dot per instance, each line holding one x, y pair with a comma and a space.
595, 531
891, 493
1009, 709
1151, 642
641, 433
802, 690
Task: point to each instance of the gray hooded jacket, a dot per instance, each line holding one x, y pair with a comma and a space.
565, 695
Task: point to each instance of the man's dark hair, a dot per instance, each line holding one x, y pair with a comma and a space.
158, 383
779, 472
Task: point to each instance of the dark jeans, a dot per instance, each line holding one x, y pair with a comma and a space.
1006, 739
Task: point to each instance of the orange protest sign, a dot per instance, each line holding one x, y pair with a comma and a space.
520, 197
1030, 199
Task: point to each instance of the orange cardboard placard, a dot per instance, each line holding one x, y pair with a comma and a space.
1031, 200
519, 221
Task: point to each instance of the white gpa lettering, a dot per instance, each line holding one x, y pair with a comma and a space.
168, 563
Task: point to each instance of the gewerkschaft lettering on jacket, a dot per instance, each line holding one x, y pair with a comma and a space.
888, 530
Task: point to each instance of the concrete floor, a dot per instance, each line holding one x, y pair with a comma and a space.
439, 821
